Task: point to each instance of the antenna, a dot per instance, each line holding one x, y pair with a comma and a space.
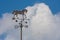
24, 17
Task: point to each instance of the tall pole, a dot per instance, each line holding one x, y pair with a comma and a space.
21, 30
21, 33
21, 25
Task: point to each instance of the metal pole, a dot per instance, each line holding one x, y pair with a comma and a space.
21, 33
21, 30
21, 25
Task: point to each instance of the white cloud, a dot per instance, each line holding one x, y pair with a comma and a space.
5, 23
44, 25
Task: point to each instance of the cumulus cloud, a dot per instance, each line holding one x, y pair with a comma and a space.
43, 24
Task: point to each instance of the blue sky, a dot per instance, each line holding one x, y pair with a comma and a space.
10, 5
7, 6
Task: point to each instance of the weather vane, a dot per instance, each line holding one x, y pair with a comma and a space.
24, 17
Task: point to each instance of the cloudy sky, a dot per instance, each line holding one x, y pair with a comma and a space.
44, 18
